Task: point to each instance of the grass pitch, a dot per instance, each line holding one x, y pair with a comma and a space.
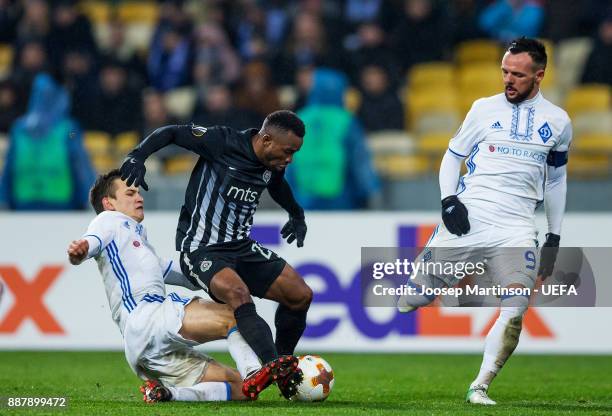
101, 383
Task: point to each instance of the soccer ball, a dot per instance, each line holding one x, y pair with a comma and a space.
318, 379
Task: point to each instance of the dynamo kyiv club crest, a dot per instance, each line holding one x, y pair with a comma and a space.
545, 132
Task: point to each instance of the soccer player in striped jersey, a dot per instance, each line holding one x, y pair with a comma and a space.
217, 253
159, 329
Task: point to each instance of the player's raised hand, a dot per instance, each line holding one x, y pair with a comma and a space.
455, 215
295, 229
548, 255
77, 251
133, 171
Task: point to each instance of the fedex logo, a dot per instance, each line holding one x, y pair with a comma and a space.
29, 299
429, 321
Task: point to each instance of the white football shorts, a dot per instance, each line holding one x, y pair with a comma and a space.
509, 254
154, 349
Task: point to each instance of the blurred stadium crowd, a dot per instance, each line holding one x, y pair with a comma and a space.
408, 69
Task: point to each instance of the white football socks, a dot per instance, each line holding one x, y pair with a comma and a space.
202, 392
500, 342
245, 358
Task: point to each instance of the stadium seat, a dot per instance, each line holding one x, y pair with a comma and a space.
478, 51
124, 142
431, 74
440, 100
287, 95
98, 12
588, 166
103, 162
97, 143
482, 75
352, 99
180, 102
445, 122
571, 55
595, 143
402, 166
6, 59
138, 12
433, 144
593, 122
138, 36
390, 142
588, 97
180, 164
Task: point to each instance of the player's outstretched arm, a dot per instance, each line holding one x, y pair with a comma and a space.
295, 228
203, 141
454, 213
77, 251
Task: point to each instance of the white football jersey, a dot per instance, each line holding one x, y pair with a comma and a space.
131, 270
506, 146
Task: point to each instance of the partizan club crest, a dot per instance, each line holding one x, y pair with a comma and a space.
205, 265
266, 176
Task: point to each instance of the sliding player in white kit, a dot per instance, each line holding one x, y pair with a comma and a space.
516, 146
159, 329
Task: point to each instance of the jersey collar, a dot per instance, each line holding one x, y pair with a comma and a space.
531, 101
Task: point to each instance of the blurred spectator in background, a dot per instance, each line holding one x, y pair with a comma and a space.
216, 61
9, 17
31, 59
370, 46
303, 84
35, 22
116, 107
333, 169
119, 49
505, 20
256, 92
249, 29
463, 19
154, 112
422, 33
81, 80
71, 30
378, 97
215, 107
170, 59
46, 166
598, 67
307, 45
10, 107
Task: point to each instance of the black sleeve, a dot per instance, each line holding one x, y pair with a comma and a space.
207, 142
280, 191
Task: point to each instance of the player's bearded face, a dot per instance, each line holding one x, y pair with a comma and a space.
521, 79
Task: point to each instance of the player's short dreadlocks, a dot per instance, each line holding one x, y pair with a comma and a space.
286, 120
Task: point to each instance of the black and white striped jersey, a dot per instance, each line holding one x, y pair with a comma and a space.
224, 188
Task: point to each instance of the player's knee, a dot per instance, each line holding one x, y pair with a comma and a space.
238, 295
301, 299
513, 308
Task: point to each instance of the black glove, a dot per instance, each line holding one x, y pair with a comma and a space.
133, 171
295, 229
548, 255
455, 215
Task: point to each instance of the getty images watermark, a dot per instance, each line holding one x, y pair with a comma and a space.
482, 276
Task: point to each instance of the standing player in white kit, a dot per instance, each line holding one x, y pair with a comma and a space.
159, 329
516, 145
